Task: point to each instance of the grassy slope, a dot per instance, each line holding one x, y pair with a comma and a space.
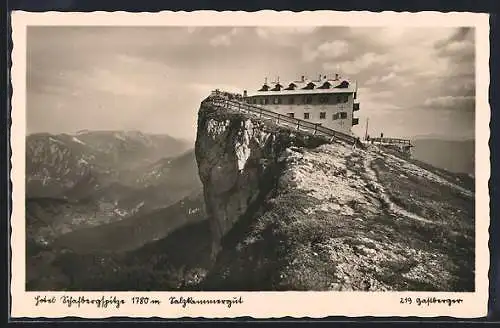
298, 240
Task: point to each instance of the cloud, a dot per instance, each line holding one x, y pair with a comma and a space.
382, 79
204, 89
269, 32
372, 107
402, 36
120, 75
370, 94
460, 46
107, 81
366, 61
285, 36
225, 38
457, 47
463, 87
459, 36
220, 40
384, 94
448, 69
425, 53
407, 83
377, 102
389, 77
451, 103
331, 49
372, 80
123, 69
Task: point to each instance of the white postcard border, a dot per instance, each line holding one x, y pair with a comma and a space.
255, 304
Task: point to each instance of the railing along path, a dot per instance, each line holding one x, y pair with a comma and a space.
392, 141
280, 119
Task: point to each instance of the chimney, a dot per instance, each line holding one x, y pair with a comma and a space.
302, 78
336, 76
244, 93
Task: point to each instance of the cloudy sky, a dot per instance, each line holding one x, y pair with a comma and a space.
412, 82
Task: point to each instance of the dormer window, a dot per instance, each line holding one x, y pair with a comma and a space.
277, 87
291, 86
343, 85
309, 86
265, 87
325, 85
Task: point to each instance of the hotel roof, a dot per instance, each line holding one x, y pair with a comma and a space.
307, 86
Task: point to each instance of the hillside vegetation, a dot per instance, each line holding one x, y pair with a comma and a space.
329, 217
255, 207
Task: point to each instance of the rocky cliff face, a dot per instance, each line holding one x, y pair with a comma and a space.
293, 212
238, 159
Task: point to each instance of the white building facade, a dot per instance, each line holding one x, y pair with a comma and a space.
329, 102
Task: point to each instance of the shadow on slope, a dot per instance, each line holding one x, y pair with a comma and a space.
124, 256
171, 263
133, 232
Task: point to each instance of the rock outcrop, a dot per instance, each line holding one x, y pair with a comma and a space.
291, 211
239, 159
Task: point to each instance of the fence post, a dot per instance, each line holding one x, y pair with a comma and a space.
260, 112
315, 128
278, 118
298, 125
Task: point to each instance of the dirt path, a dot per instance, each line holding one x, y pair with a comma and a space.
426, 174
379, 190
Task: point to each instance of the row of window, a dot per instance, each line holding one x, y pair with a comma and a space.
322, 116
309, 86
291, 100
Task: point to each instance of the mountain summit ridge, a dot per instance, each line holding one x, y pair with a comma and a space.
292, 211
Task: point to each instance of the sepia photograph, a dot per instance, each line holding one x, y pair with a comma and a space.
254, 158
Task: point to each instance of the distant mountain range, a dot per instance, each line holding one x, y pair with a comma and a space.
453, 155
93, 178
56, 164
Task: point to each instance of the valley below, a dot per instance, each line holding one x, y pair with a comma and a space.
95, 198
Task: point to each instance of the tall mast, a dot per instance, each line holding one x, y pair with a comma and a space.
366, 130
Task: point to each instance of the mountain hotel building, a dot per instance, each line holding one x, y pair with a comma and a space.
330, 102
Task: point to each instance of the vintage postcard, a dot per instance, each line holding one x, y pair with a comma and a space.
264, 164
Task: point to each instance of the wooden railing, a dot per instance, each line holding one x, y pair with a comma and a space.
392, 141
280, 119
